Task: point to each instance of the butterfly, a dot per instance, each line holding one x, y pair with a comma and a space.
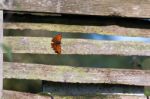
56, 43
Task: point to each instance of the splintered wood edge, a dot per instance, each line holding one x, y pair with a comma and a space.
76, 74
122, 8
41, 45
108, 30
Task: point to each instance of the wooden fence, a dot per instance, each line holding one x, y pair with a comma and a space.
117, 17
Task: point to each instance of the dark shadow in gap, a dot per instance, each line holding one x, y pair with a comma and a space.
44, 33
89, 89
33, 86
79, 20
100, 61
57, 88
95, 36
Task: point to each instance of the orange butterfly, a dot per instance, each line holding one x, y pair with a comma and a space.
56, 43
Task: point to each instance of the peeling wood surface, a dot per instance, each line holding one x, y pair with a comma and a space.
1, 53
76, 74
123, 8
108, 29
42, 45
16, 95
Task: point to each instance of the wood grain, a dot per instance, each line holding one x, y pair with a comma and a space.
76, 74
112, 29
16, 95
41, 45
123, 8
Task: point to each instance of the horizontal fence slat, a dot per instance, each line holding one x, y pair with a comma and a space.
107, 29
76, 74
16, 95
133, 8
42, 45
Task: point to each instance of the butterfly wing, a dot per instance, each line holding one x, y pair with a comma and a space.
56, 48
57, 39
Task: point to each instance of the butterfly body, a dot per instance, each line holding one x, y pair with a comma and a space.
56, 43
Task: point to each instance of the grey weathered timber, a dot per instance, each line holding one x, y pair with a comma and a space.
20, 95
76, 74
1, 53
124, 8
42, 45
106, 29
16, 95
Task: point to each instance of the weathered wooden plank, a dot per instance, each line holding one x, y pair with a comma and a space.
101, 29
76, 74
16, 95
20, 95
124, 8
77, 46
1, 53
